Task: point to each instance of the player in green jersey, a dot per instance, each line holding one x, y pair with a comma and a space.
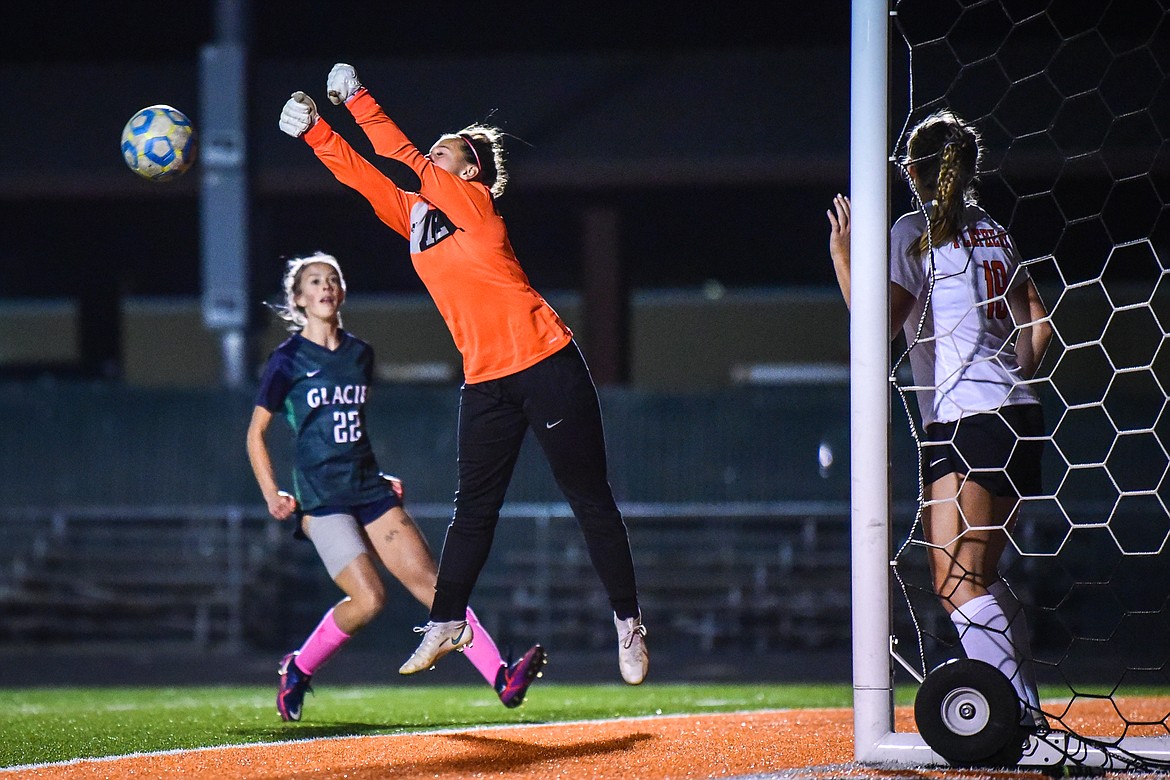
318, 380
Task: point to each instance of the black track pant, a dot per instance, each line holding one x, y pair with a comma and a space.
557, 399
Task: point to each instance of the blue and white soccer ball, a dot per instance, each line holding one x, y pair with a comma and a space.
158, 143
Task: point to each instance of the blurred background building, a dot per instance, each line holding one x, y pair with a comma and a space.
670, 174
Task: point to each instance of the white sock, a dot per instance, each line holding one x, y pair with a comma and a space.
987, 636
1020, 636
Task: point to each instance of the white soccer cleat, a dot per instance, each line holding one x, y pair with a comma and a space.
633, 657
438, 640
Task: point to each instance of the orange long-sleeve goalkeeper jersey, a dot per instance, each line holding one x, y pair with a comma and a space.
458, 244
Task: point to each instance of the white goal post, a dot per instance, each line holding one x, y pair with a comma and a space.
869, 393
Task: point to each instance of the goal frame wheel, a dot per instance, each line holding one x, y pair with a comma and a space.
968, 712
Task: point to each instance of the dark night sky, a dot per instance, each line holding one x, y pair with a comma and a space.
677, 236
67, 31
56, 34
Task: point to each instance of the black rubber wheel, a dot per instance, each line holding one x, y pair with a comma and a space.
968, 712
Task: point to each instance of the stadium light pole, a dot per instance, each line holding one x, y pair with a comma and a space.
869, 367
224, 196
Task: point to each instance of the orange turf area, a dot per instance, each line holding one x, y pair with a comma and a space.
708, 746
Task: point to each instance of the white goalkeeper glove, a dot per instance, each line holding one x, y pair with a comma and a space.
298, 115
342, 83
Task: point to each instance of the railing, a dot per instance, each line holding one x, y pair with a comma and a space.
142, 573
760, 575
753, 576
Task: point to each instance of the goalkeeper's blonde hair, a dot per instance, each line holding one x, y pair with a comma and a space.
486, 149
288, 310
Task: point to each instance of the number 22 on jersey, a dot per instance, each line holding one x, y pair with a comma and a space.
348, 426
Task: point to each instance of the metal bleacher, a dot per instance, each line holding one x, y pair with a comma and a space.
758, 577
131, 517
117, 574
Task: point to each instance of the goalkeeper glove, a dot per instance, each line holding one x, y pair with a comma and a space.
342, 83
298, 115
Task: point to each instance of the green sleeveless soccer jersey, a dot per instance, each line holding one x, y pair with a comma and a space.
322, 394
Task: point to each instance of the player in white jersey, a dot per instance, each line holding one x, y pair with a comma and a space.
962, 360
977, 330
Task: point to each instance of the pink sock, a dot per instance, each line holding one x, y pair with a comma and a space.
325, 640
482, 651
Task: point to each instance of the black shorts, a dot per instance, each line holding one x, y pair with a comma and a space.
363, 513
988, 449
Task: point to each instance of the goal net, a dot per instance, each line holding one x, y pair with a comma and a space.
1072, 102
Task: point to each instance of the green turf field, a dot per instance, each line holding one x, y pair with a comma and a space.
41, 725
57, 724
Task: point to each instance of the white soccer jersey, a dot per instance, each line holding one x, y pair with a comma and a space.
963, 360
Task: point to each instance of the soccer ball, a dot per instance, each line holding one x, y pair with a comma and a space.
158, 143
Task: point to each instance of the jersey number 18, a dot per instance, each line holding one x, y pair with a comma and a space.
995, 274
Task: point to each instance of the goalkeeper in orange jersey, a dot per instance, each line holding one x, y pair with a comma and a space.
522, 368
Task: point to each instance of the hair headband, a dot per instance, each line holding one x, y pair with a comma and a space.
467, 138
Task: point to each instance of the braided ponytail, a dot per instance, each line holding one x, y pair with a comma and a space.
945, 152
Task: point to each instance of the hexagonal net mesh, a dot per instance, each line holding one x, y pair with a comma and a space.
1072, 109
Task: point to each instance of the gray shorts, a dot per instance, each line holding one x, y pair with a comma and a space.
339, 539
